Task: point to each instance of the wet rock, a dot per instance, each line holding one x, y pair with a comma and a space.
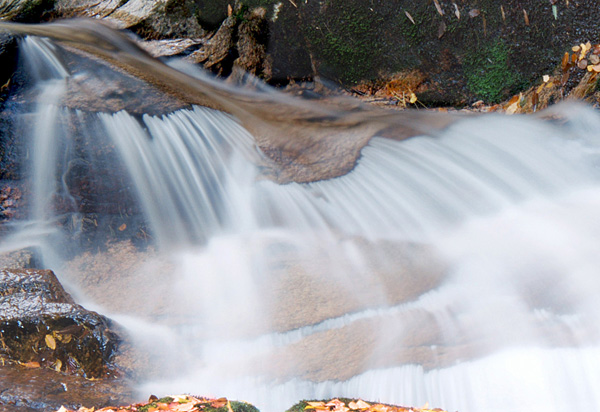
12, 202
25, 10
219, 53
42, 326
19, 259
171, 47
240, 43
253, 34
159, 18
37, 389
8, 56
86, 8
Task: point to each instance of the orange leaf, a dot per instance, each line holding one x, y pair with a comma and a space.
219, 403
565, 61
31, 365
122, 227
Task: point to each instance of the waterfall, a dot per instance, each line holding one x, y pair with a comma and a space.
458, 269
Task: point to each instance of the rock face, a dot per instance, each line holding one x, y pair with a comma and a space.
464, 51
42, 326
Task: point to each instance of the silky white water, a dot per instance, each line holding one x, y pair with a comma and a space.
459, 269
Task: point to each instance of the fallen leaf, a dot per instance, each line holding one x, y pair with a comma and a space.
31, 365
359, 405
379, 408
502, 11
555, 12
219, 403
576, 48
565, 61
409, 17
413, 98
438, 7
122, 227
50, 342
185, 407
319, 406
456, 11
594, 59
596, 68
62, 409
474, 13
441, 30
545, 78
582, 64
58, 365
336, 405
526, 17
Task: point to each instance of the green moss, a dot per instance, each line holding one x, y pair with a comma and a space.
488, 72
236, 406
345, 42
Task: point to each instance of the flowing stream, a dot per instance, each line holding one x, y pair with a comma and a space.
459, 268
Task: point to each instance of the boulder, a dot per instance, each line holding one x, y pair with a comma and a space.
19, 259
41, 326
156, 19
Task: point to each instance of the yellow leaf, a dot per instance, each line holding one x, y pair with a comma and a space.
413, 98
575, 48
320, 406
122, 227
50, 342
58, 365
62, 409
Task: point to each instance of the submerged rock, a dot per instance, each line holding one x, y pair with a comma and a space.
42, 326
37, 389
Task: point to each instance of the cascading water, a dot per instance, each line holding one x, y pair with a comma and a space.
459, 269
